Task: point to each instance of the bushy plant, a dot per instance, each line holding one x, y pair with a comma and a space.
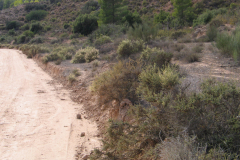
12, 25
25, 27
85, 24
11, 32
118, 83
89, 6
177, 34
30, 50
36, 27
37, 40
111, 30
36, 15
85, 55
35, 6
212, 33
144, 31
102, 40
25, 37
229, 43
62, 53
156, 56
128, 47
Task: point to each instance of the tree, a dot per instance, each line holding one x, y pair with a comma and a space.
111, 11
132, 18
161, 17
182, 10
85, 24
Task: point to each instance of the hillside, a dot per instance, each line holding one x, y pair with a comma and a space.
160, 82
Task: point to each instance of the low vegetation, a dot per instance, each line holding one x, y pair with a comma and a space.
140, 40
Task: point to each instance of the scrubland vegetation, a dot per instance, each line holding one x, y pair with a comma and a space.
165, 120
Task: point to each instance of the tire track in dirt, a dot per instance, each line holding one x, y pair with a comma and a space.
38, 120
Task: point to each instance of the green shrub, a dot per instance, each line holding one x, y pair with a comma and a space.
211, 33
177, 34
128, 47
111, 30
37, 40
66, 25
36, 27
25, 37
11, 32
197, 49
30, 50
35, 6
28, 34
12, 25
85, 24
60, 53
144, 31
156, 56
117, 83
102, 40
228, 44
71, 78
89, 6
208, 15
36, 15
85, 55
25, 27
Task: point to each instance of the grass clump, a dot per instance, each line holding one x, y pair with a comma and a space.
198, 49
102, 40
76, 72
85, 55
36, 15
229, 44
71, 78
156, 56
128, 47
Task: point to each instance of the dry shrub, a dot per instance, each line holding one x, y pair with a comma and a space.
71, 78
178, 47
185, 39
76, 72
118, 83
187, 56
85, 55
156, 56
128, 47
198, 48
30, 50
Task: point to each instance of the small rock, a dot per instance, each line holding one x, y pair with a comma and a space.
82, 134
79, 116
85, 157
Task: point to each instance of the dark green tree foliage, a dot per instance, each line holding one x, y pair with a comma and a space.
183, 10
12, 25
36, 15
111, 11
35, 6
132, 18
36, 27
161, 17
85, 24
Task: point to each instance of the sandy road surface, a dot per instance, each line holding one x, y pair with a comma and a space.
37, 120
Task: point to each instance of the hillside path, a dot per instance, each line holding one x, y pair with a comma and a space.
37, 117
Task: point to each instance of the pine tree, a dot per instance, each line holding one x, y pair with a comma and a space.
182, 9
111, 11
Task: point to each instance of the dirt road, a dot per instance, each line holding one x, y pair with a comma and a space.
38, 119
